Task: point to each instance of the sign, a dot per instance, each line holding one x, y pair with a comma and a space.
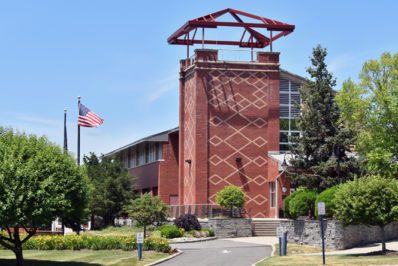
279, 232
321, 208
140, 238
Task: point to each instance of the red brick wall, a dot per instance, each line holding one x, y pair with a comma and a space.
230, 110
168, 170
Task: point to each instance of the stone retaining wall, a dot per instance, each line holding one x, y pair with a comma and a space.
337, 236
233, 227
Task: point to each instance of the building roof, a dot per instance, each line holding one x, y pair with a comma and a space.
158, 137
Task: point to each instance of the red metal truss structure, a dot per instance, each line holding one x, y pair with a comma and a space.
250, 38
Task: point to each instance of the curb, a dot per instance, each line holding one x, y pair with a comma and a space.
272, 254
179, 252
254, 264
194, 241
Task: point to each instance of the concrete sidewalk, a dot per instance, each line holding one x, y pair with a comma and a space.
390, 245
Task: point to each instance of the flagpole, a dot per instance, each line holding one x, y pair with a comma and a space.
65, 134
78, 131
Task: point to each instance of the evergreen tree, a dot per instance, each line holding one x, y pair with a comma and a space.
320, 157
111, 187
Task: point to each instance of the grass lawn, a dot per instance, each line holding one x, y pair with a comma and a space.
294, 257
331, 260
294, 249
80, 258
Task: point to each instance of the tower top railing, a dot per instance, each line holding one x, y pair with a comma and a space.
257, 32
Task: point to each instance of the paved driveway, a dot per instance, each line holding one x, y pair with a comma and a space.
219, 252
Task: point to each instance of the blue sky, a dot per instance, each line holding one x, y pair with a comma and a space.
114, 55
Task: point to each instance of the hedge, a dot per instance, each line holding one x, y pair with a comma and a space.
300, 203
327, 196
78, 242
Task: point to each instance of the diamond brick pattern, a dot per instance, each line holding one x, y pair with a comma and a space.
189, 133
237, 102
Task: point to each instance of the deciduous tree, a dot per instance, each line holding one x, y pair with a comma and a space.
147, 210
370, 107
230, 197
37, 181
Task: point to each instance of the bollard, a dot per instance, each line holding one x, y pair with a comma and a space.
139, 251
284, 243
280, 246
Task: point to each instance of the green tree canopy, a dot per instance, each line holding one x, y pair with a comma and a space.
111, 187
321, 133
371, 200
370, 107
147, 210
37, 184
230, 197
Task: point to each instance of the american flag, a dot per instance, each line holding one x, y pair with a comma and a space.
88, 118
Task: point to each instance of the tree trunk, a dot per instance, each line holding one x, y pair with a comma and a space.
144, 231
231, 211
18, 247
19, 256
383, 240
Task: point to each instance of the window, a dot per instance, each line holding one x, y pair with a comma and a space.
289, 100
272, 194
159, 151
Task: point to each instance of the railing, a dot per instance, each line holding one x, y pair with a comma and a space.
203, 211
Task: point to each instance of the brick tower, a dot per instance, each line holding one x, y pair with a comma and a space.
229, 115
229, 121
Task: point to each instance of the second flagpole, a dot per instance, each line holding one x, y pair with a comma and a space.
78, 131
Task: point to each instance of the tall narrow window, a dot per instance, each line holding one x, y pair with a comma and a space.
272, 194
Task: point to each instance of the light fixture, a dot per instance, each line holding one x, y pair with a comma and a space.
238, 159
188, 161
284, 164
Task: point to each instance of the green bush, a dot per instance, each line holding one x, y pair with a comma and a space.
157, 244
209, 231
301, 203
171, 231
327, 196
286, 202
78, 242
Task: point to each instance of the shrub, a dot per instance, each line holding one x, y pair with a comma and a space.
230, 197
78, 242
302, 203
157, 244
209, 231
171, 231
371, 200
286, 202
188, 222
327, 196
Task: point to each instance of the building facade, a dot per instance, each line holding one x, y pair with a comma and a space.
235, 123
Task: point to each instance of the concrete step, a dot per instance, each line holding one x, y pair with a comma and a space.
264, 227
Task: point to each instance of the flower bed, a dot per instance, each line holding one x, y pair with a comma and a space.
78, 242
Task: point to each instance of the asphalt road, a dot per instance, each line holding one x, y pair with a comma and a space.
218, 253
